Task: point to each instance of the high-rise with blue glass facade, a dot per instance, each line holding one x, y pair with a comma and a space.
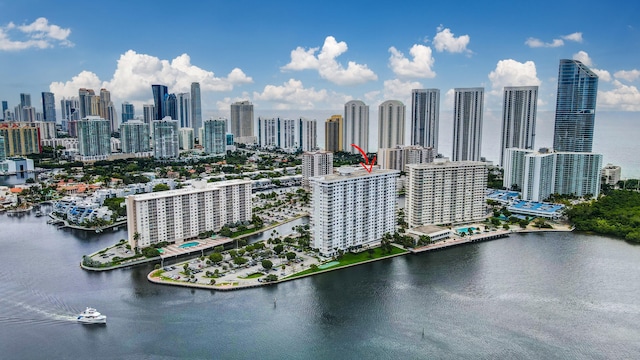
160, 92
575, 107
128, 112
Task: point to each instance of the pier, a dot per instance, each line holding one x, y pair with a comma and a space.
462, 240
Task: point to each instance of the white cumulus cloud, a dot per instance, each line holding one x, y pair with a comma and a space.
39, 34
420, 67
135, 73
292, 95
537, 43
445, 40
327, 66
576, 36
584, 58
622, 97
510, 72
397, 89
628, 75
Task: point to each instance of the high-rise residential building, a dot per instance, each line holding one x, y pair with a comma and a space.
553, 172
29, 114
196, 107
333, 134
399, 157
94, 138
352, 209
611, 174
467, 124
308, 135
518, 118
134, 137
215, 136
128, 112
514, 165
20, 138
575, 107
241, 122
316, 163
425, 117
183, 110
186, 138
268, 132
289, 130
46, 129
3, 151
17, 113
183, 214
165, 138
148, 113
160, 93
171, 106
25, 99
70, 109
49, 106
446, 192
391, 119
356, 126
85, 99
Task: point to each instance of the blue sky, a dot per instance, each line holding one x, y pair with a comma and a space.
291, 57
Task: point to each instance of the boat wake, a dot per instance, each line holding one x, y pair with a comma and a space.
24, 304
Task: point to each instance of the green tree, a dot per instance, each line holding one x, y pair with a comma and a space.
278, 248
215, 258
290, 255
160, 187
267, 264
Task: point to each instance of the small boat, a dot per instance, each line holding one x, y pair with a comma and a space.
91, 316
38, 213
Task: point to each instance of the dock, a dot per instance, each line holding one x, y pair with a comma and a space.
499, 234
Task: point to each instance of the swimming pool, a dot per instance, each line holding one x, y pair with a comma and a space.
465, 230
189, 244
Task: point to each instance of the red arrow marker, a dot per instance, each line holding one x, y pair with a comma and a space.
368, 165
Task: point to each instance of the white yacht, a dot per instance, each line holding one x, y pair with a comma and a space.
91, 316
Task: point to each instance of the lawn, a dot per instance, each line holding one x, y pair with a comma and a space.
351, 259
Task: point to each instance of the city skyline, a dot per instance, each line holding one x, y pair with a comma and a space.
316, 66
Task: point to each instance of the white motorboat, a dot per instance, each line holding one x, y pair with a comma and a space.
91, 316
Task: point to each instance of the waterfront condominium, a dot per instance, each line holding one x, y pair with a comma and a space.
165, 138
513, 164
518, 118
446, 192
400, 156
467, 124
94, 138
196, 107
134, 137
425, 117
178, 215
20, 138
356, 126
241, 122
352, 208
575, 107
316, 163
215, 136
391, 118
333, 134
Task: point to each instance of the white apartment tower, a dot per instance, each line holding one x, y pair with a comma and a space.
268, 132
400, 156
241, 122
165, 138
356, 126
178, 215
425, 117
351, 209
308, 135
467, 124
518, 118
514, 168
446, 192
391, 118
186, 138
183, 110
94, 138
316, 163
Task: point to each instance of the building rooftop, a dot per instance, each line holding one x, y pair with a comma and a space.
195, 189
536, 206
347, 172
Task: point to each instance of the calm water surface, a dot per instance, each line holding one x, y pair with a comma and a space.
546, 296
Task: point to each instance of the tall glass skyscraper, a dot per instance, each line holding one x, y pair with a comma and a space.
241, 120
356, 126
49, 106
160, 92
214, 141
575, 107
196, 107
183, 110
128, 112
425, 117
